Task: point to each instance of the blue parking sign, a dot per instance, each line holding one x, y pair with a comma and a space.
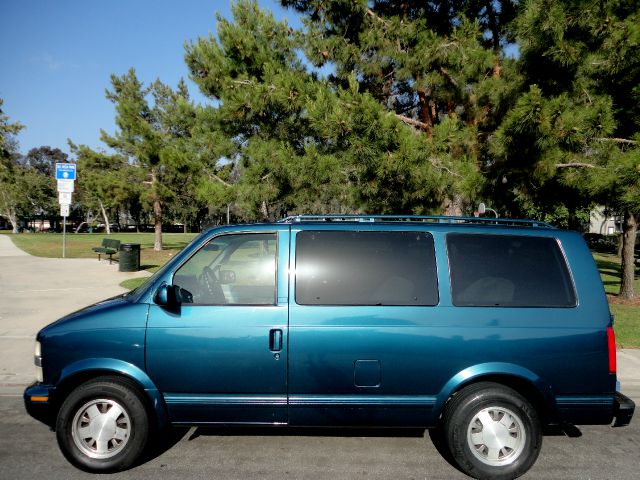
65, 171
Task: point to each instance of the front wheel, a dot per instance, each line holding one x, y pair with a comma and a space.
492, 432
103, 425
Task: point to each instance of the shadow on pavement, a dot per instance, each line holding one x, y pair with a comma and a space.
162, 442
565, 430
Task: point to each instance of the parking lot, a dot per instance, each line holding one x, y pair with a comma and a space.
36, 291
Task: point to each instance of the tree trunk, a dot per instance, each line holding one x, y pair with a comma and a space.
620, 245
264, 211
7, 208
157, 217
425, 111
157, 214
106, 219
13, 219
629, 230
79, 227
453, 206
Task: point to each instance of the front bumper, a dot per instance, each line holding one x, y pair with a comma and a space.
38, 403
623, 410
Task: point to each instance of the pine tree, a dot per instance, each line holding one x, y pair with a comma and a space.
400, 127
438, 66
153, 136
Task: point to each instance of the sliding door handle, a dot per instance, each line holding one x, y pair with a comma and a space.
275, 339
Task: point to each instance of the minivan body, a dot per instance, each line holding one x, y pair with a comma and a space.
483, 331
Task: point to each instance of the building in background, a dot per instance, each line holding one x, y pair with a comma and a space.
604, 222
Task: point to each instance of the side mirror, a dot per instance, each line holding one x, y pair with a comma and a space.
165, 296
172, 296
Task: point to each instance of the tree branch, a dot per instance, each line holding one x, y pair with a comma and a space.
446, 73
617, 140
217, 178
372, 14
412, 122
576, 165
436, 163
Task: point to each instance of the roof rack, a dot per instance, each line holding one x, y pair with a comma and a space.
415, 218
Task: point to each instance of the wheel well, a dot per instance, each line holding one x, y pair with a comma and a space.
524, 387
71, 383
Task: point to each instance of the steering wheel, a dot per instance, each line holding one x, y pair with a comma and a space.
214, 294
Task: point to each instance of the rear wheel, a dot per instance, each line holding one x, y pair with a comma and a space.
103, 425
492, 432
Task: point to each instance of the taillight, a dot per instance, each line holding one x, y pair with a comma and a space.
611, 345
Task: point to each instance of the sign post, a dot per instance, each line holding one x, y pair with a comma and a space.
65, 175
64, 235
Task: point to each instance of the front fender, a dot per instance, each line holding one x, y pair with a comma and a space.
105, 366
492, 370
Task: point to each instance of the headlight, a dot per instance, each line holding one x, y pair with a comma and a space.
37, 359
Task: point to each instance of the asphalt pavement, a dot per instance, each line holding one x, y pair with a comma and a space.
37, 291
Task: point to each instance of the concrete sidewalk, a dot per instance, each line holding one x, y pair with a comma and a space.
629, 373
8, 249
37, 291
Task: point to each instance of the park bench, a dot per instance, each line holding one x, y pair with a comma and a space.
109, 247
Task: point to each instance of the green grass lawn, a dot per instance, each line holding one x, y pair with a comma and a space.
79, 245
627, 325
609, 267
627, 316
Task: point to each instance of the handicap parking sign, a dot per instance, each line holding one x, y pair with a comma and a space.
65, 171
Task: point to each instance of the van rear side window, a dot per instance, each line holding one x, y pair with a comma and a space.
508, 271
365, 268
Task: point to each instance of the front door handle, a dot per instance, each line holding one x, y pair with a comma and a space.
275, 339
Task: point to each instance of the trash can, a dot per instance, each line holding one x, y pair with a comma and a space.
129, 257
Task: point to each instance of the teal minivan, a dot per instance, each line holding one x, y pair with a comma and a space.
484, 331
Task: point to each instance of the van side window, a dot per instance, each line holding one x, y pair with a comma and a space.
235, 269
508, 271
365, 268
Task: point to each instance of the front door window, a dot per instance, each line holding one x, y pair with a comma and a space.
235, 269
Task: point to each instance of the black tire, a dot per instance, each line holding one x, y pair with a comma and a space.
111, 413
508, 447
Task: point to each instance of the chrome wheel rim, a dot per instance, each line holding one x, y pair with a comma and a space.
496, 436
101, 428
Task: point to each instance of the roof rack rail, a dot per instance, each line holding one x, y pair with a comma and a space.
414, 218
